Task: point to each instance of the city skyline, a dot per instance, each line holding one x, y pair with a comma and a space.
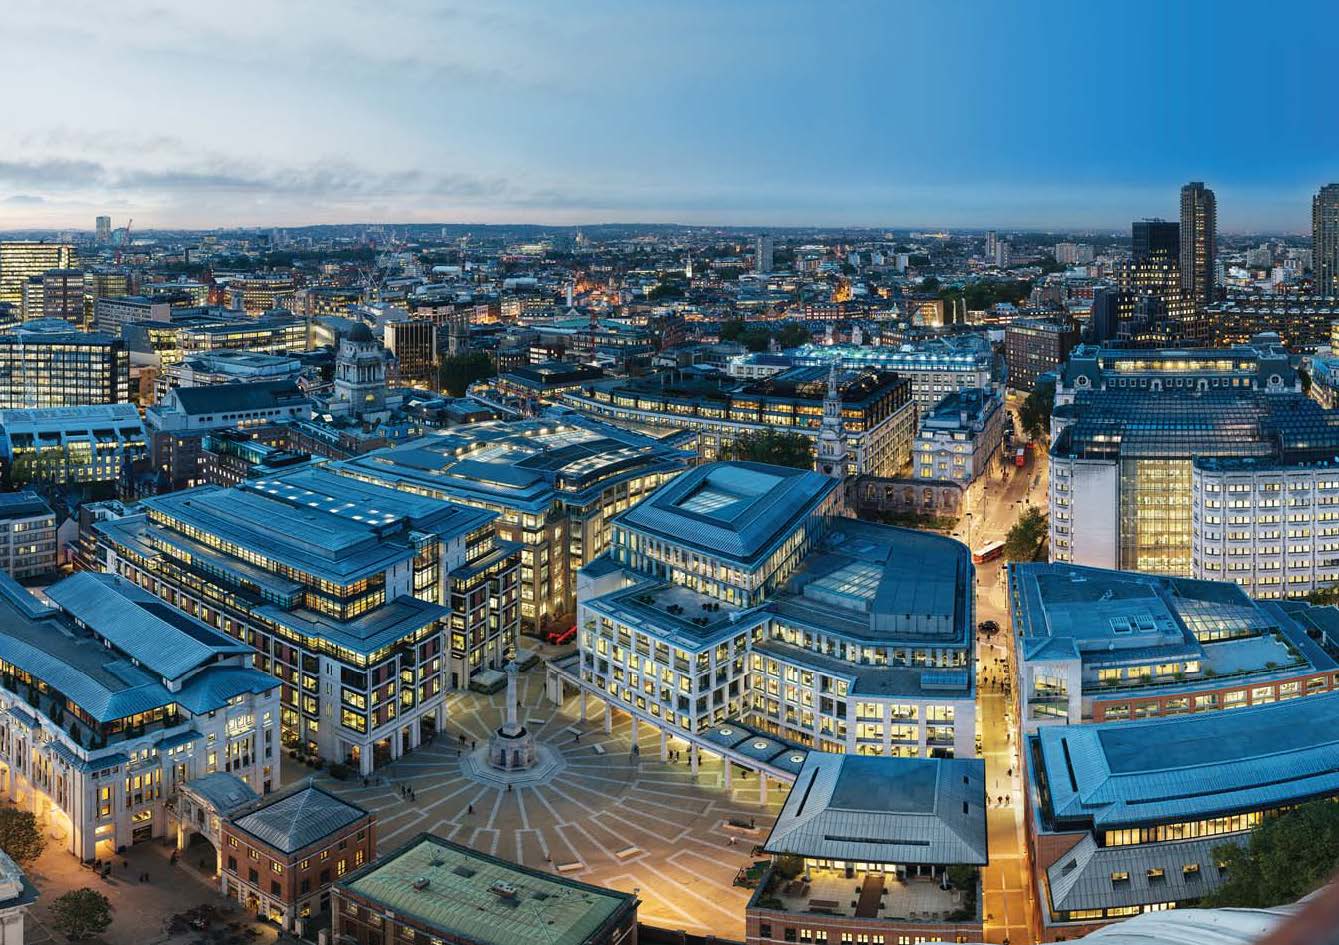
848, 115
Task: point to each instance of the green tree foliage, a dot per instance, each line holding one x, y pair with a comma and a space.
1035, 414
1026, 540
980, 296
461, 370
81, 914
775, 447
1281, 860
756, 336
20, 837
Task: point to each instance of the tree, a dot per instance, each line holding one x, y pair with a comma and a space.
1026, 540
1034, 416
81, 913
459, 371
20, 837
1282, 859
792, 335
774, 447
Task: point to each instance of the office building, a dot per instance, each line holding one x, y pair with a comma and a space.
48, 363
414, 345
281, 855
433, 890
763, 251
101, 443
180, 292
1268, 526
1128, 425
1097, 645
113, 701
1199, 243
960, 436
178, 424
34, 299
898, 831
533, 386
935, 367
259, 294
1125, 817
102, 227
555, 484
21, 261
231, 457
736, 596
100, 284
113, 313
228, 366
63, 295
877, 413
209, 332
1155, 240
367, 603
27, 536
1037, 346
1325, 240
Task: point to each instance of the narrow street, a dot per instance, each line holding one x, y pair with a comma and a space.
1007, 891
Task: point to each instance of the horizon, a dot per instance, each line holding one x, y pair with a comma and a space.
1029, 117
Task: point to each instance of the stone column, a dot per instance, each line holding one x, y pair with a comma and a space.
664, 745
584, 711
692, 759
608, 717
634, 731
725, 772
762, 787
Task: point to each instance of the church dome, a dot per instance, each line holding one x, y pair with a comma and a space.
360, 333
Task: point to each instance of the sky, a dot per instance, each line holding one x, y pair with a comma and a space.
948, 113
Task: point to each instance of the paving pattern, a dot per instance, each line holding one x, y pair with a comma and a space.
605, 816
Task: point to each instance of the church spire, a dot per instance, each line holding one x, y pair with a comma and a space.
830, 455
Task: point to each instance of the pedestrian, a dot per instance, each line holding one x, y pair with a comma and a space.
470, 810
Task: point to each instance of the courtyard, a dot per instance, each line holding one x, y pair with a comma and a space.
602, 813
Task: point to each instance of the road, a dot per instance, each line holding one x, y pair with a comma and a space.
995, 503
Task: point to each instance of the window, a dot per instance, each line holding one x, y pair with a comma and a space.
1157, 875
1119, 878
765, 930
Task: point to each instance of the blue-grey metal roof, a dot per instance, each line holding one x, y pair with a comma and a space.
734, 510
1191, 767
223, 791
288, 822
160, 637
875, 809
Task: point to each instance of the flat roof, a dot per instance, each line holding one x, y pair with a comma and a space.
734, 510
875, 809
478, 898
1191, 767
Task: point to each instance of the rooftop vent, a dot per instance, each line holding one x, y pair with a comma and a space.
421, 883
503, 890
464, 871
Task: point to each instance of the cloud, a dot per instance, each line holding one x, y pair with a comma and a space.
24, 200
52, 173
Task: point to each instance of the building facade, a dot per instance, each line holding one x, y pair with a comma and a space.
101, 443
878, 413
48, 363
555, 484
960, 436
21, 261
738, 594
1037, 346
1199, 243
366, 602
1325, 240
27, 536
113, 703
1102, 646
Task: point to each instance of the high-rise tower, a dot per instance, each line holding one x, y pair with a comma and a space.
1199, 241
1325, 239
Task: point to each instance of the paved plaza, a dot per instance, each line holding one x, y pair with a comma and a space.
602, 814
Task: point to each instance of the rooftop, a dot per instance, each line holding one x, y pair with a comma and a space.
1131, 773
875, 809
295, 819
734, 510
480, 899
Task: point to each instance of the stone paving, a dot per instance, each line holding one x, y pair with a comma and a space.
618, 819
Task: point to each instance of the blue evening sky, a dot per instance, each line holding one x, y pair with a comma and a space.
1027, 114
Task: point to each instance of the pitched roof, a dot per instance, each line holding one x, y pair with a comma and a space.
885, 810
290, 821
